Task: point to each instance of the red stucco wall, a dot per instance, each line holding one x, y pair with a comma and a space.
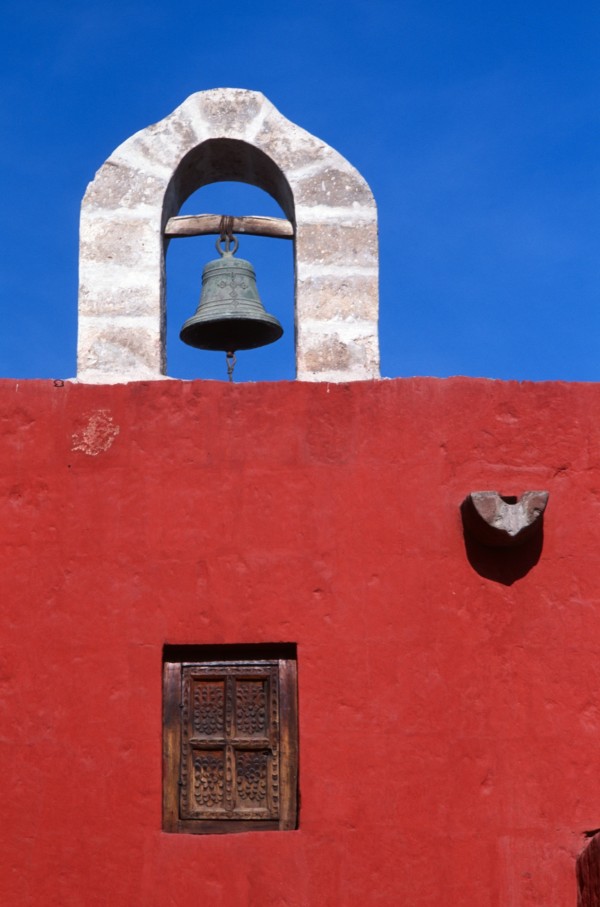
449, 720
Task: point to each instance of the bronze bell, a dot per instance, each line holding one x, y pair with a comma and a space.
230, 315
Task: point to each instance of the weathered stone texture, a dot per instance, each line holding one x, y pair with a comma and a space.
228, 110
331, 187
118, 185
292, 146
346, 245
131, 242
221, 135
141, 299
339, 298
328, 353
110, 350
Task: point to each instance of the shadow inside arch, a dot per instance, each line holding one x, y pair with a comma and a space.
227, 160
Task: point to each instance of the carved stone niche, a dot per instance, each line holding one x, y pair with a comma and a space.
226, 134
501, 521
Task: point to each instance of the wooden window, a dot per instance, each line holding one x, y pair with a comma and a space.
230, 754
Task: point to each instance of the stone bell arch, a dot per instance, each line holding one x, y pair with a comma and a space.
236, 135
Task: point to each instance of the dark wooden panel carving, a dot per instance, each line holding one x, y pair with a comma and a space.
230, 753
208, 707
251, 707
207, 783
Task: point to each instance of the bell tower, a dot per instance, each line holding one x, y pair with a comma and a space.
237, 135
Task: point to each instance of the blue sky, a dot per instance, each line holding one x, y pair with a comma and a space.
477, 126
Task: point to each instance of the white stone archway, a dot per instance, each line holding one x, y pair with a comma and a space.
226, 134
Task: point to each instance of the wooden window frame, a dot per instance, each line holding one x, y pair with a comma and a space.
181, 665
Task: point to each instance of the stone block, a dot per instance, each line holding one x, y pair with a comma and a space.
346, 245
111, 293
134, 243
226, 111
331, 186
110, 352
119, 185
342, 352
338, 298
159, 148
292, 148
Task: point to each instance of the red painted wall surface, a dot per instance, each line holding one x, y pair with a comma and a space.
449, 714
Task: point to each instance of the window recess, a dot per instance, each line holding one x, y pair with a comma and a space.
230, 739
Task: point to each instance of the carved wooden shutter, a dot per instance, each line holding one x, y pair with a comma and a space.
230, 753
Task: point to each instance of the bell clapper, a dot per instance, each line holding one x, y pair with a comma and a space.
231, 361
229, 239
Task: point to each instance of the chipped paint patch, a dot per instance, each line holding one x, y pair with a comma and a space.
97, 435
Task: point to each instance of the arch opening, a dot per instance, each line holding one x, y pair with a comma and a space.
273, 262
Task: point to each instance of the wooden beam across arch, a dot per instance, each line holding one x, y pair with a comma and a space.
208, 224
